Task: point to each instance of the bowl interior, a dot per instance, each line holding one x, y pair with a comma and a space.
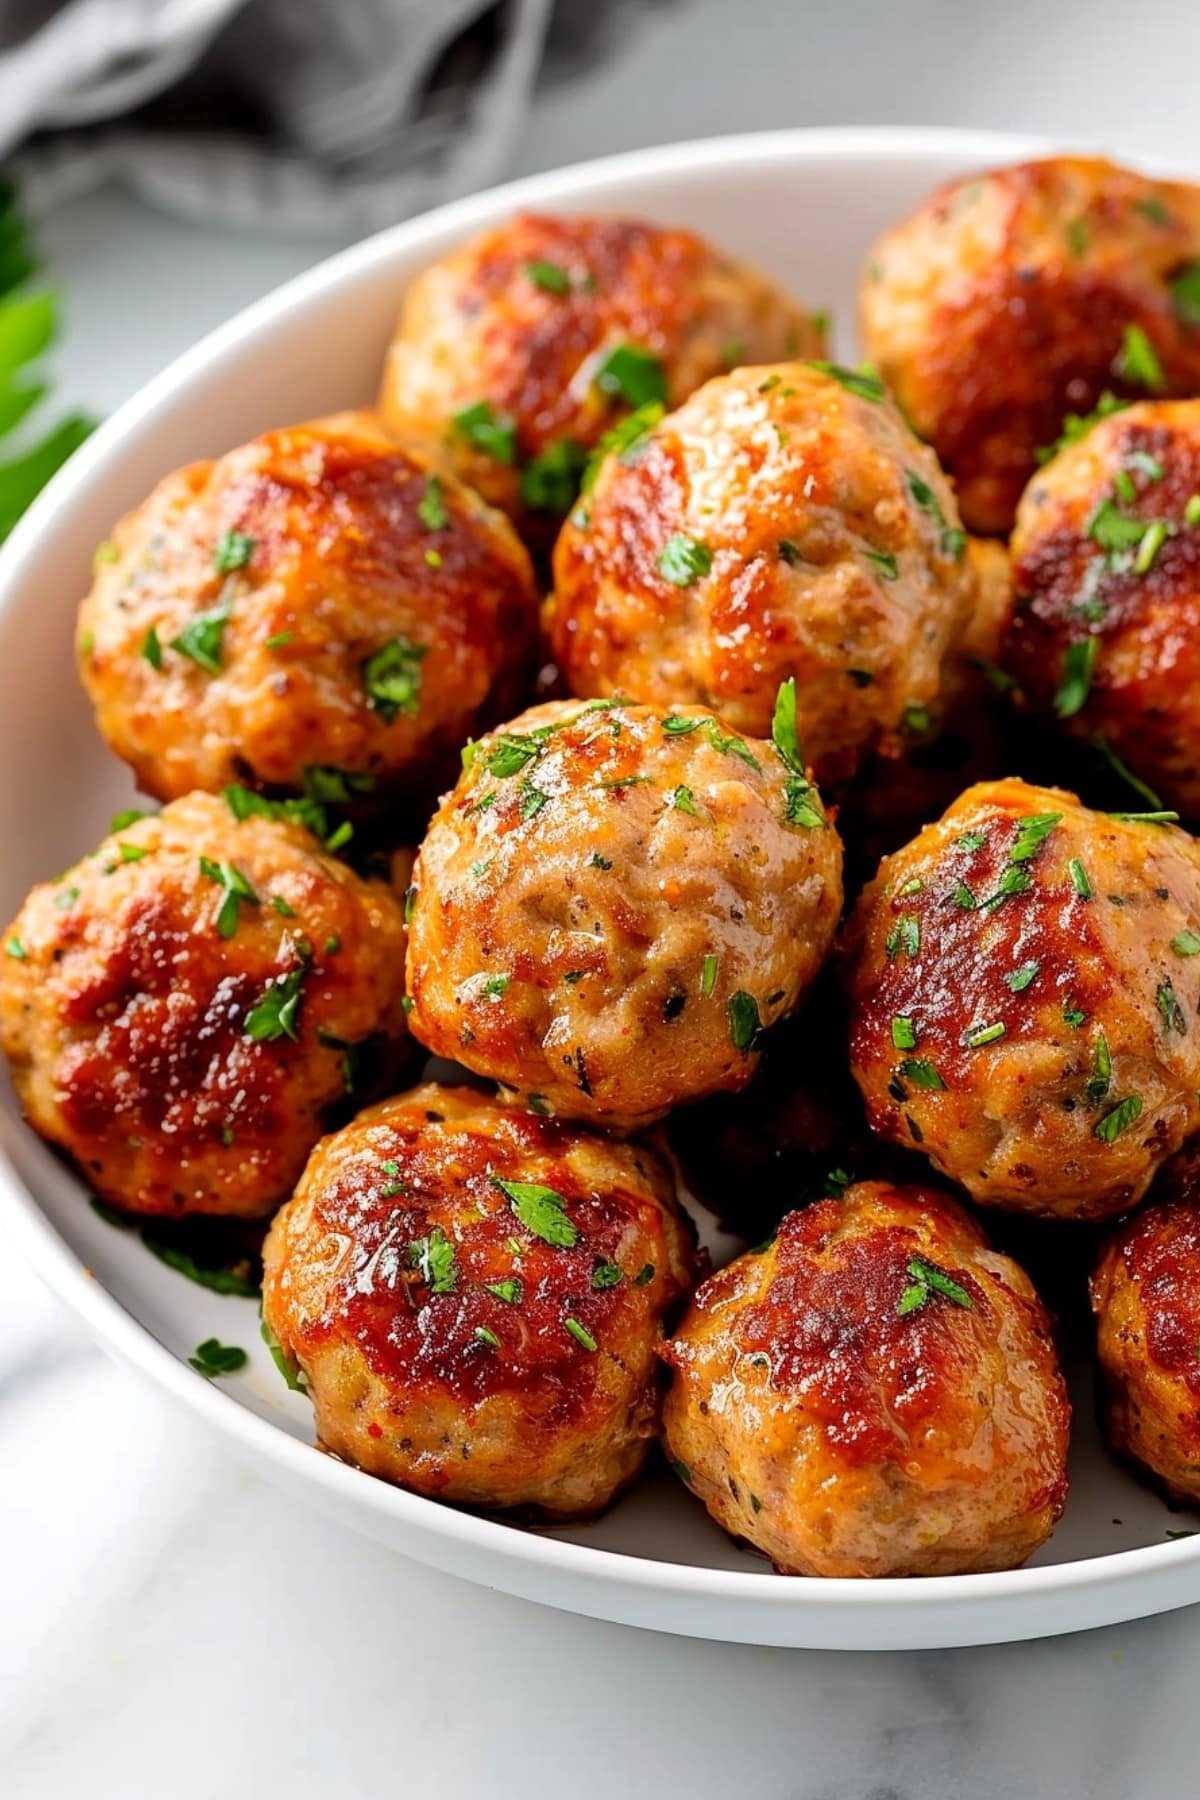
804, 208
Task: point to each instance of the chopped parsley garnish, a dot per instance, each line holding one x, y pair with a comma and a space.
1078, 236
1119, 1118
802, 804
1170, 1011
926, 1279
623, 440
1079, 878
487, 432
1191, 512
596, 861
682, 800
979, 1035
953, 542
970, 841
789, 552
434, 1257
1153, 539
531, 800
15, 948
744, 1022
392, 678
1019, 979
541, 1210
213, 1358
1113, 529
855, 381
634, 375
1137, 361
684, 560
1073, 1015
1032, 833
296, 1380
921, 1072
548, 276
151, 649
607, 1275
1077, 425
432, 508
1100, 1080
1185, 293
130, 816
235, 889
278, 640
201, 639
1079, 665
708, 974
234, 550
1161, 817
904, 935
487, 1336
582, 1336
885, 562
495, 986
410, 903
1014, 880
275, 1015
550, 481
511, 1290
130, 853
1186, 943
904, 1033
644, 1276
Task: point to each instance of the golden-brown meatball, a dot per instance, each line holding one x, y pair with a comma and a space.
317, 604
1145, 1294
1011, 299
516, 353
784, 522
1023, 999
181, 1008
614, 903
475, 1296
1106, 558
874, 1393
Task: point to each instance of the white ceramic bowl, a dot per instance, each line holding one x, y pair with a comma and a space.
803, 205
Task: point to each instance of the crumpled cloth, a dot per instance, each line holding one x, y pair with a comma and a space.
322, 116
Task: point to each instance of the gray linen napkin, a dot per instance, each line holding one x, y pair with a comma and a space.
324, 116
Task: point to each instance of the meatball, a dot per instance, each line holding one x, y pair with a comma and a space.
515, 354
181, 1008
1012, 299
784, 522
319, 610
474, 1297
1145, 1294
873, 1393
614, 904
1023, 999
1107, 569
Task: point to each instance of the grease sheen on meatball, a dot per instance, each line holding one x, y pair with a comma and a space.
1024, 999
783, 522
874, 1393
317, 598
1145, 1293
1004, 302
613, 902
181, 1008
1107, 571
475, 1297
517, 352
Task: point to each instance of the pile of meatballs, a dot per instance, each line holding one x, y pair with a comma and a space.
696, 633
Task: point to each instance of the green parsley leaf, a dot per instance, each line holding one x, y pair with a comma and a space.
1153, 539
295, 1377
1019, 979
1079, 664
275, 1014
1016, 879
392, 678
789, 552
979, 1035
432, 507
487, 432
1186, 943
1032, 832
201, 639
495, 985
233, 552
213, 1358
151, 649
235, 889
511, 1290
548, 276
550, 481
744, 1022
582, 1336
784, 731
131, 853
625, 440
1191, 512
532, 800
1077, 425
1137, 361
435, 1258
487, 1336
921, 1072
1079, 878
904, 1033
644, 1276
855, 381
1161, 817
927, 1280
684, 560
1100, 1080
541, 1210
1113, 529
885, 562
904, 935
1118, 1118
607, 1275
1170, 1011
708, 974
682, 800
15, 948
634, 375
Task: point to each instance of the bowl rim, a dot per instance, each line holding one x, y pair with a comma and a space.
346, 1488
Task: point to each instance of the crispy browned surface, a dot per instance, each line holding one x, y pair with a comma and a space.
477, 327
563, 911
794, 484
1028, 1119
387, 1329
1144, 692
124, 1015
845, 1436
341, 565
1145, 1293
1001, 304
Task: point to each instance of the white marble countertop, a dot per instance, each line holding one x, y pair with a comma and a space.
171, 1626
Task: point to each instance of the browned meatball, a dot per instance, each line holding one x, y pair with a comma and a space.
784, 522
1106, 558
317, 609
614, 903
474, 1297
1024, 1000
1011, 299
874, 1393
516, 353
1146, 1297
181, 1008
